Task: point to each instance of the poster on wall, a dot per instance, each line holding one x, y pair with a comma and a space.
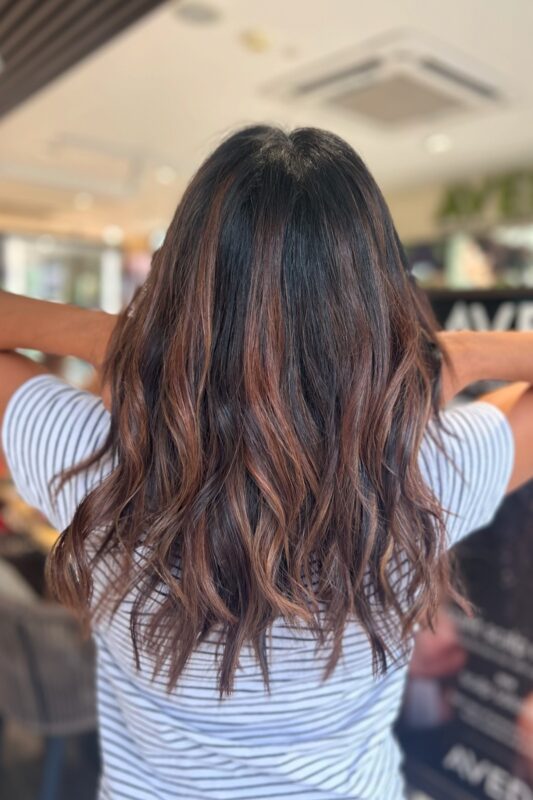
467, 722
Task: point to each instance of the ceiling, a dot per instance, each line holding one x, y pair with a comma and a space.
40, 39
113, 141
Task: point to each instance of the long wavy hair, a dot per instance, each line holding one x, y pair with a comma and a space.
271, 385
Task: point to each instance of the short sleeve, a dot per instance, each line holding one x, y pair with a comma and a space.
48, 427
470, 470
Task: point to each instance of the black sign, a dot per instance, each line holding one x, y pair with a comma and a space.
467, 730
503, 310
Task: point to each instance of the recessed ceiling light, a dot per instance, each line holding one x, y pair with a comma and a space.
256, 40
437, 143
165, 175
83, 201
113, 235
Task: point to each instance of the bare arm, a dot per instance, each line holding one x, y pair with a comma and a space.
54, 328
67, 330
501, 356
51, 328
497, 356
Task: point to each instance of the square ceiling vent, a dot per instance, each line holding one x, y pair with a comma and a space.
397, 100
402, 80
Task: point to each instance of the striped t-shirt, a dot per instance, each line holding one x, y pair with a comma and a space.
308, 739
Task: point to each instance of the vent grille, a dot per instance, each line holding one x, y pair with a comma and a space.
398, 100
460, 79
363, 69
401, 79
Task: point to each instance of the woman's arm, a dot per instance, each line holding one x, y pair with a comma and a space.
505, 356
473, 356
68, 330
53, 328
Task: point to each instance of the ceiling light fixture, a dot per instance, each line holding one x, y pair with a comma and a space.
437, 143
255, 40
113, 235
165, 175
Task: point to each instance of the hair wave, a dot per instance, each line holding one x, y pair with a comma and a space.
271, 386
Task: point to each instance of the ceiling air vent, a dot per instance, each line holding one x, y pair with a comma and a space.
403, 79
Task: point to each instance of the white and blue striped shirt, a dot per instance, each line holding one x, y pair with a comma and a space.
308, 739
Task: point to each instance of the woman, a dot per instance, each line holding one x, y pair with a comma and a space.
262, 519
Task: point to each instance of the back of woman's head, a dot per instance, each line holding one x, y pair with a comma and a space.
271, 385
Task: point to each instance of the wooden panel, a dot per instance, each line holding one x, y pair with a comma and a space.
41, 39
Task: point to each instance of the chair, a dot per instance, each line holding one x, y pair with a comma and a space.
46, 672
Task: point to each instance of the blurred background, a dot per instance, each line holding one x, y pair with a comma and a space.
106, 110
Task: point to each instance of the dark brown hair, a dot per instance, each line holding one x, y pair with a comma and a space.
271, 385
